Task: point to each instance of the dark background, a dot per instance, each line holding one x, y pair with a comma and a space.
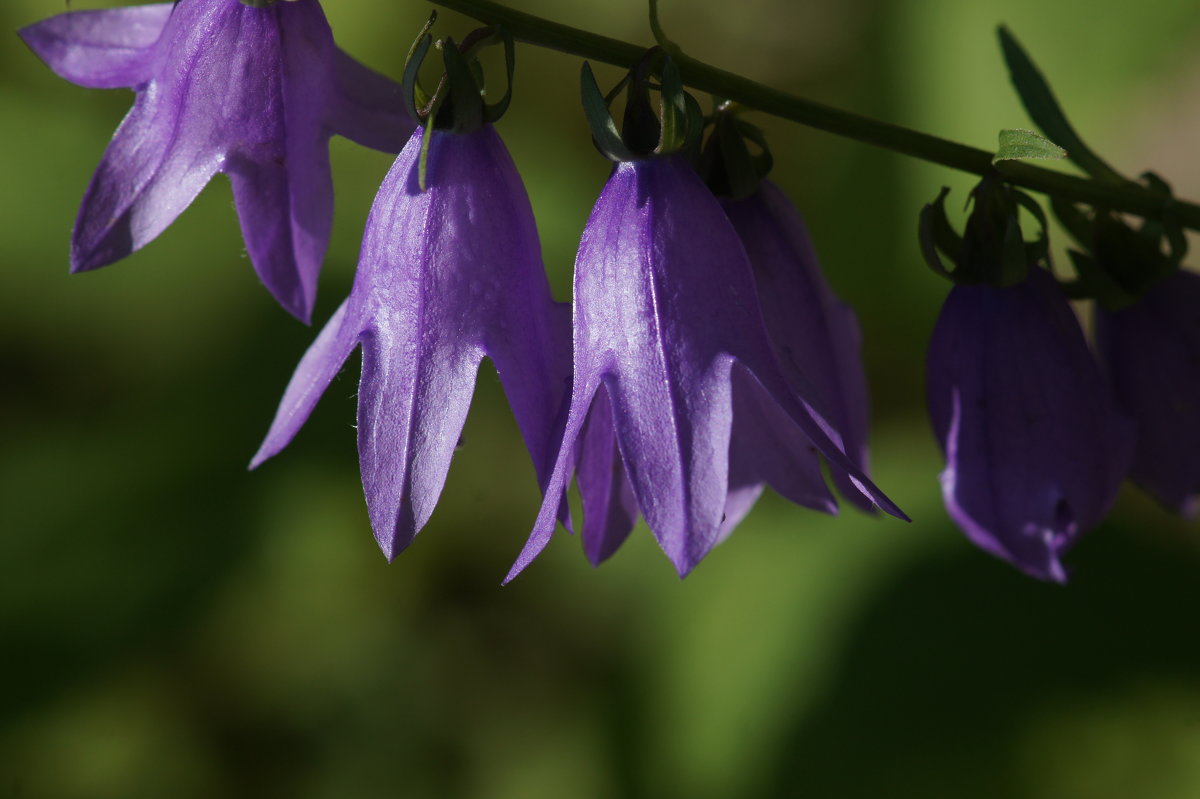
171, 625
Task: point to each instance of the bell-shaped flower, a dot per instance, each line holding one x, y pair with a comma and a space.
221, 87
446, 276
669, 351
815, 337
1035, 447
1151, 352
817, 342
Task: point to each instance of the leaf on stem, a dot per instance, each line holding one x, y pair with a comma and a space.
1044, 110
1016, 144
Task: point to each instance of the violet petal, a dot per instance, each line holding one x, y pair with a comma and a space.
100, 49
1035, 449
1151, 351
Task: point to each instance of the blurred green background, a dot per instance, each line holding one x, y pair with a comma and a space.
173, 626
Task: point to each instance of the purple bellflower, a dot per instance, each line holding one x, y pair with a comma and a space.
221, 87
446, 276
816, 339
814, 335
1151, 351
1035, 448
670, 350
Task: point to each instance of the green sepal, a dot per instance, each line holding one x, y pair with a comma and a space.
1014, 262
641, 128
934, 232
1095, 283
991, 250
257, 3
1016, 144
466, 103
476, 41
1044, 110
763, 161
493, 111
1120, 262
726, 162
737, 165
1077, 223
1165, 227
1038, 250
604, 129
680, 121
426, 137
410, 86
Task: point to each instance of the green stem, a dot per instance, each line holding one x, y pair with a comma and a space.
1128, 197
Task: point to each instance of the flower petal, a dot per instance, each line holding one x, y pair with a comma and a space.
412, 405
368, 107
100, 49
448, 275
766, 446
320, 364
1151, 351
815, 335
212, 92
1035, 450
151, 172
609, 508
285, 205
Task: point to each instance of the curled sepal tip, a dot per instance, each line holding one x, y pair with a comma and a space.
458, 104
647, 129
727, 163
1118, 263
991, 249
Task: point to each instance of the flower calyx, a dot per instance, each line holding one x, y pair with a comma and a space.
458, 102
728, 164
991, 249
1116, 262
672, 125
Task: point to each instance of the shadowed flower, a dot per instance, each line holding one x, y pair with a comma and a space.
815, 337
446, 276
1151, 351
221, 87
669, 350
1035, 449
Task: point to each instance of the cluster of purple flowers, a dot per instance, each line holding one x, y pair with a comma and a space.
1039, 433
703, 356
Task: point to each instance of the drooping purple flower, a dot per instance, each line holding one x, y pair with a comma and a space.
1035, 448
670, 349
1151, 351
221, 87
814, 334
446, 276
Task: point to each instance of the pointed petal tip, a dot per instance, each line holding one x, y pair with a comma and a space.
683, 568
387, 545
301, 308
516, 569
85, 259
879, 499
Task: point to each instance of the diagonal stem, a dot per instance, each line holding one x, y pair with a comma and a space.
1128, 197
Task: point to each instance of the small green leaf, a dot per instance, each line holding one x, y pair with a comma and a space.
1045, 112
1016, 144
